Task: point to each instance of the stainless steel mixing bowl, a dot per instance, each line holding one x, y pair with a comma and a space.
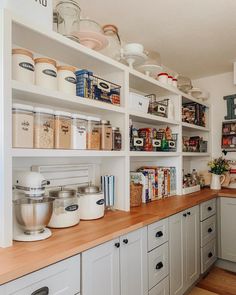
33, 215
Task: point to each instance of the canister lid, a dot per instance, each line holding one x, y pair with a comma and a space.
79, 116
25, 107
162, 74
22, 51
88, 190
44, 110
66, 68
61, 113
115, 128
93, 119
109, 27
45, 60
64, 193
105, 122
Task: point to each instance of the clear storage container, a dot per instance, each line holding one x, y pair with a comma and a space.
79, 132
22, 126
43, 128
106, 135
93, 136
116, 139
62, 130
114, 46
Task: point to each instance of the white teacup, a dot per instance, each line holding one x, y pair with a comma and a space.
134, 48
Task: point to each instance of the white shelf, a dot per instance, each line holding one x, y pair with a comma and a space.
36, 94
49, 153
153, 154
189, 154
188, 98
187, 126
151, 119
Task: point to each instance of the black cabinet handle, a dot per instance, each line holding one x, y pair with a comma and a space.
209, 208
209, 229
210, 255
125, 241
159, 234
189, 213
184, 215
159, 265
117, 245
41, 291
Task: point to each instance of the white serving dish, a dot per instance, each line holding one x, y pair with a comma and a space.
195, 92
138, 102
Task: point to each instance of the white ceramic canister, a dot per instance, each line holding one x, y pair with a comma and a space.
23, 65
163, 78
66, 79
174, 82
79, 132
170, 80
46, 73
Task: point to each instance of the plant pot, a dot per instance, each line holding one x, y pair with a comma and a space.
216, 181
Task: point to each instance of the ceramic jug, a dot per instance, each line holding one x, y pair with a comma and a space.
216, 181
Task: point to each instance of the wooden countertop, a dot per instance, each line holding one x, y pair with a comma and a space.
23, 258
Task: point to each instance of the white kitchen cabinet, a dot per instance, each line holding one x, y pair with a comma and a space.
161, 289
208, 255
184, 250
117, 267
157, 234
228, 228
60, 278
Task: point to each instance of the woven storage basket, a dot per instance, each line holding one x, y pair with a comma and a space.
135, 194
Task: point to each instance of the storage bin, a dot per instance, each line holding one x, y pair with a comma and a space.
136, 190
158, 108
62, 130
138, 102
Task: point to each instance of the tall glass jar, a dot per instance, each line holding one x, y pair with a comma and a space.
93, 136
62, 130
68, 17
79, 132
106, 135
114, 46
116, 139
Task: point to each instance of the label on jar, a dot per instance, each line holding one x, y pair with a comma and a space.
65, 129
70, 80
46, 126
171, 144
138, 141
161, 109
104, 86
51, 73
25, 125
156, 142
100, 202
72, 208
27, 66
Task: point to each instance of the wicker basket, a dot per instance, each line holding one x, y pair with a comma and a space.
135, 194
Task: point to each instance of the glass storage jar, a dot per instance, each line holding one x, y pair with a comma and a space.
62, 130
93, 135
43, 128
66, 79
79, 132
68, 18
46, 73
106, 135
116, 139
22, 126
114, 45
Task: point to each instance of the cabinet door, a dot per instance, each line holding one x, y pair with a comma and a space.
133, 263
228, 228
100, 270
176, 253
192, 250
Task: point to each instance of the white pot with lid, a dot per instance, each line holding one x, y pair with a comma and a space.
92, 202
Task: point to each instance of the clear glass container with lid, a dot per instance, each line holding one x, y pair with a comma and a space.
43, 128
22, 126
62, 130
79, 132
116, 139
113, 49
106, 135
93, 135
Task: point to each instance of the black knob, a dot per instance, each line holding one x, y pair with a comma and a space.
41, 291
184, 215
210, 255
209, 229
159, 234
189, 213
125, 241
117, 245
209, 208
159, 265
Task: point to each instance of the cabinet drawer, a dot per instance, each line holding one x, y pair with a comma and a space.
158, 265
60, 278
157, 234
161, 289
207, 209
208, 255
208, 230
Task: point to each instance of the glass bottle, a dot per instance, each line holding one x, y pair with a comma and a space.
114, 46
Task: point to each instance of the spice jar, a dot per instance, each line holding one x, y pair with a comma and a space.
46, 73
22, 65
79, 132
43, 128
93, 135
22, 126
66, 79
116, 139
163, 78
62, 130
106, 135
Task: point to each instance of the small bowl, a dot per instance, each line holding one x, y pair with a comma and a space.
134, 48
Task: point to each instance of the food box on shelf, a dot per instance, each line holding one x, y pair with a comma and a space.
138, 102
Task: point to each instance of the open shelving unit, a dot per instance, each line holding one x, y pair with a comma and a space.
15, 32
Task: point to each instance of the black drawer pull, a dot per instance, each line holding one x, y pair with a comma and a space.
184, 215
41, 291
117, 245
209, 208
159, 265
210, 255
189, 213
125, 241
209, 229
159, 234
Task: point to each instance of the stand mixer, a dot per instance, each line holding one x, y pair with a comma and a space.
32, 209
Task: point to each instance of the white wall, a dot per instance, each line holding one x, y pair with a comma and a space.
218, 86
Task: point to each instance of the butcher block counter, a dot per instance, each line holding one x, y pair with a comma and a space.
23, 258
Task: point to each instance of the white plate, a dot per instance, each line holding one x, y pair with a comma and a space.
93, 40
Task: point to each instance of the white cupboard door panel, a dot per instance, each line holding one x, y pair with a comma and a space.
157, 234
100, 270
133, 263
228, 228
192, 240
207, 209
208, 255
161, 289
208, 230
176, 254
158, 265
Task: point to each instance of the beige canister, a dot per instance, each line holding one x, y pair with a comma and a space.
66, 79
46, 73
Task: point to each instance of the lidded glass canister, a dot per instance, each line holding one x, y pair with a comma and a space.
114, 45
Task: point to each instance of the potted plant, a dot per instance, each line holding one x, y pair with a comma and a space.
218, 167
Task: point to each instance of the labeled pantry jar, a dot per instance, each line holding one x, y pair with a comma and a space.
62, 130
116, 139
43, 128
93, 135
46, 73
22, 65
66, 79
22, 126
79, 132
106, 135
